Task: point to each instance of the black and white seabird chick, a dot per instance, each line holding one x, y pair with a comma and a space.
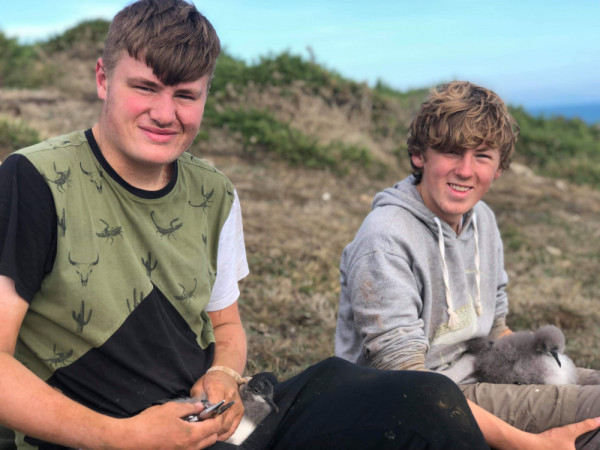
257, 397
523, 357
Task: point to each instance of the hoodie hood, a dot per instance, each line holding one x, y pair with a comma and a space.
405, 195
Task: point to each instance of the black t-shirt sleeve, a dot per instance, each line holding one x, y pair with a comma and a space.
28, 225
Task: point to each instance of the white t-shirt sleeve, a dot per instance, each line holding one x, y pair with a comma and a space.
232, 264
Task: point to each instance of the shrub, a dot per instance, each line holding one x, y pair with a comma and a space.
260, 130
559, 147
15, 134
283, 69
88, 34
20, 65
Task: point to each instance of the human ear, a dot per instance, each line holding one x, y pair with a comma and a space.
101, 80
418, 160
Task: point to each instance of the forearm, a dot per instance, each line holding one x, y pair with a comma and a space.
416, 362
33, 407
230, 346
229, 362
394, 352
499, 434
230, 338
499, 328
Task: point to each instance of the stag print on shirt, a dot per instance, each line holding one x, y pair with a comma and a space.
96, 176
84, 269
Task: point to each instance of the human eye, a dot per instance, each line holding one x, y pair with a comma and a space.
142, 88
141, 85
490, 153
187, 97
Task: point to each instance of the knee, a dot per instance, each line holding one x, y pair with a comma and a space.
442, 382
334, 364
438, 384
429, 387
440, 391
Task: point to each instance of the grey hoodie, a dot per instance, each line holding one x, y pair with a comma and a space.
398, 310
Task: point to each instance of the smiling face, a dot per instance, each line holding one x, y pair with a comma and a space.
453, 182
145, 125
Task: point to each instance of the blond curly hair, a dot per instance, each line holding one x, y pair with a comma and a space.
461, 115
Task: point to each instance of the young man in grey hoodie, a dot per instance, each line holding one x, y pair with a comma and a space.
425, 273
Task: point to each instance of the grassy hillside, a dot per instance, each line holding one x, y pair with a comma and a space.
307, 149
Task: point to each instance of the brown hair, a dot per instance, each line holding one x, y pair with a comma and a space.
171, 36
462, 115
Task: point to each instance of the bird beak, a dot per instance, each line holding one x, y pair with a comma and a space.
272, 404
554, 354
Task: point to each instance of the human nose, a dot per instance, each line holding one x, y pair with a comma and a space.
163, 111
464, 167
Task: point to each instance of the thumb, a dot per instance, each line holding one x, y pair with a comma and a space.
585, 426
186, 409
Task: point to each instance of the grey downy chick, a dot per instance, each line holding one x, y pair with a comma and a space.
257, 397
523, 357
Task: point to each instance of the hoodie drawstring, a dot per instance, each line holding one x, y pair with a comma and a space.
453, 320
478, 307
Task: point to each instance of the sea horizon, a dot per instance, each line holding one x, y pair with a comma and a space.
588, 112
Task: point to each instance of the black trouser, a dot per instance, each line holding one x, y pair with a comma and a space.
7, 439
338, 405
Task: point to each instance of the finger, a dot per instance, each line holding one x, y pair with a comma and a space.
202, 434
185, 409
231, 421
227, 429
224, 435
222, 428
585, 426
236, 410
216, 393
207, 432
208, 441
220, 384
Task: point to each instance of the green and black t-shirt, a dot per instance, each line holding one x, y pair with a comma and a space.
117, 278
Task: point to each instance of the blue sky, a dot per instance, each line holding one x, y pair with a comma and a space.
530, 52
